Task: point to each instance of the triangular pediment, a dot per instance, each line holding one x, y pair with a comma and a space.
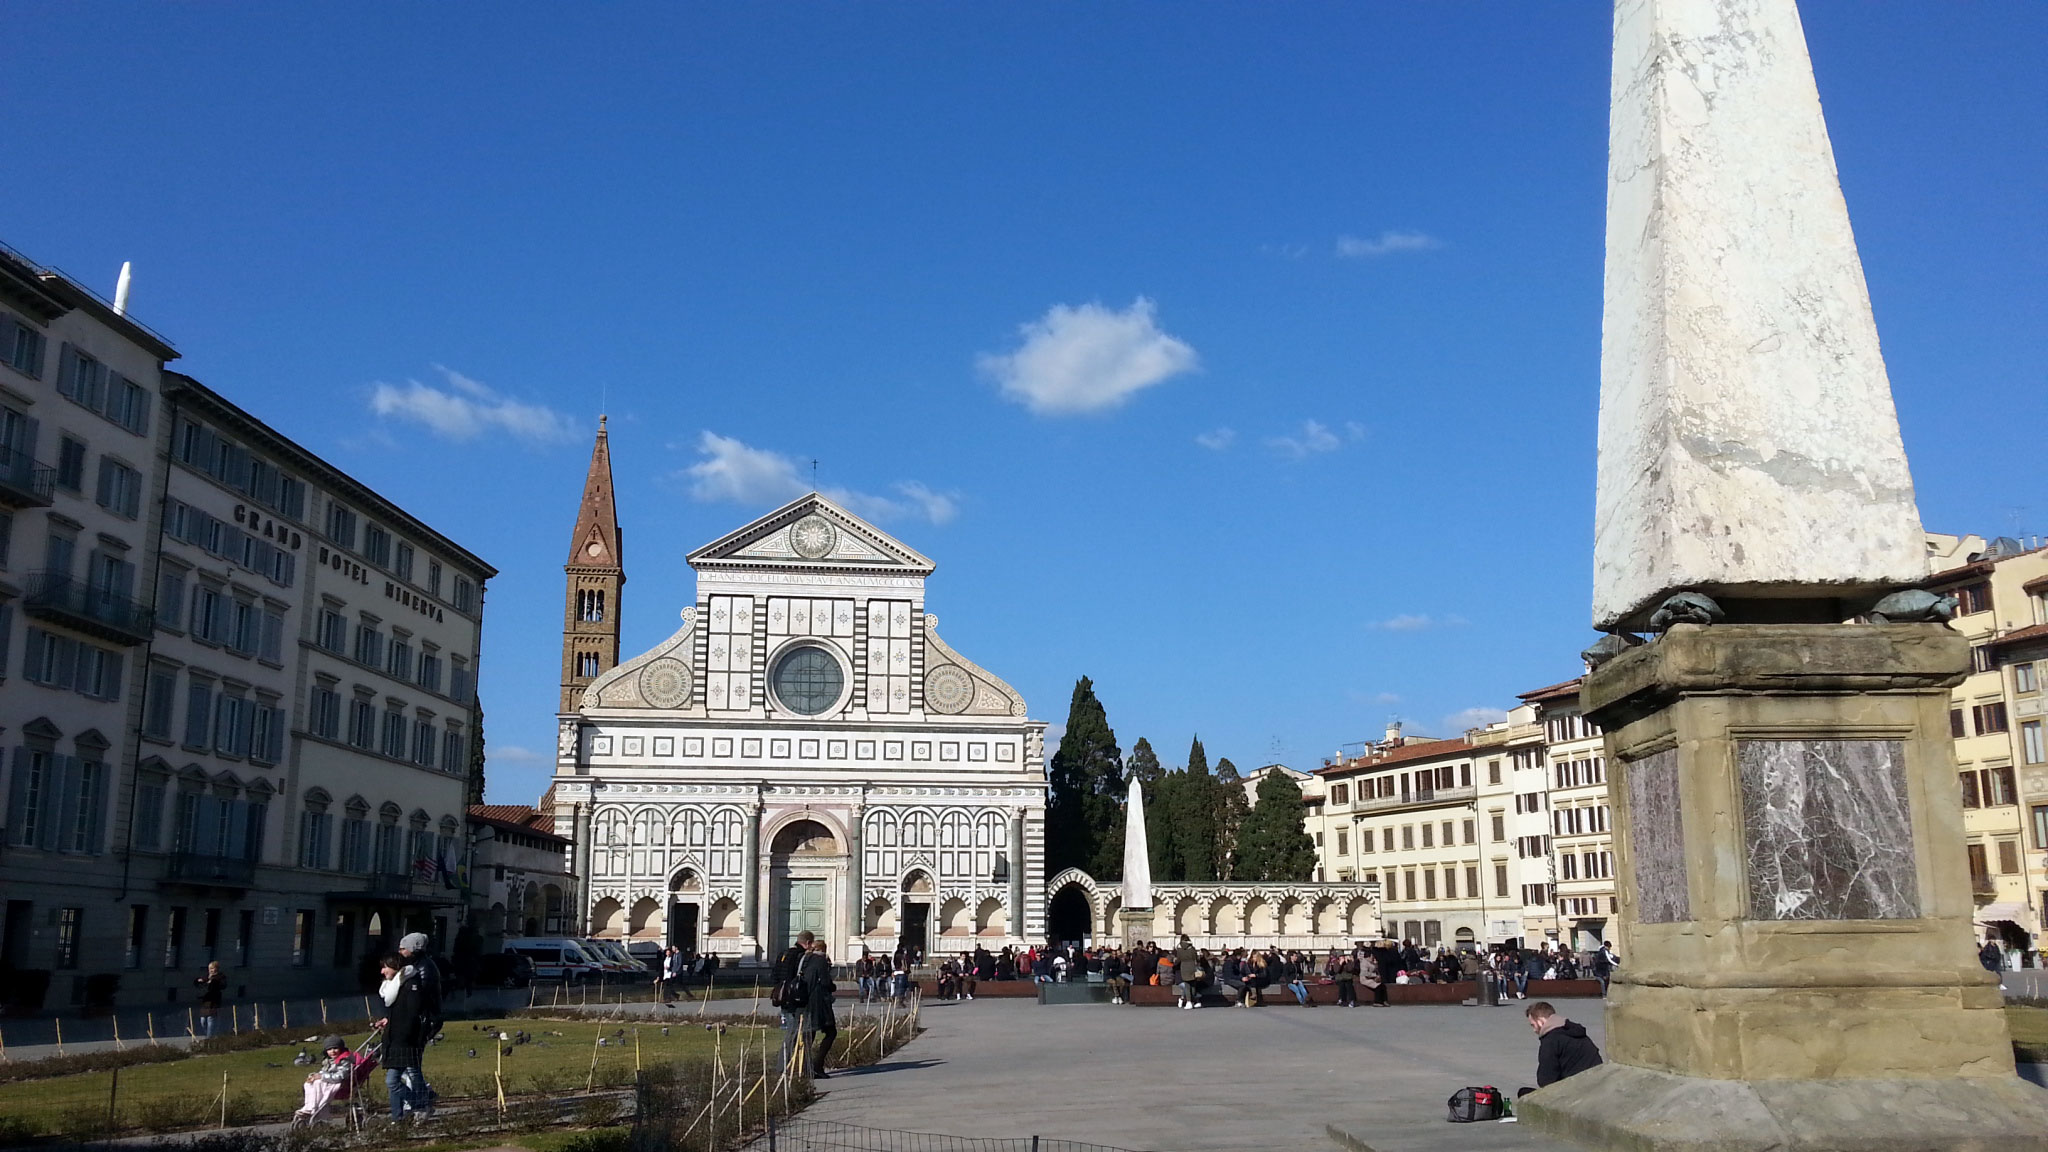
812, 533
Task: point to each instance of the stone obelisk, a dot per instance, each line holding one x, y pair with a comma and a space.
1136, 912
1797, 970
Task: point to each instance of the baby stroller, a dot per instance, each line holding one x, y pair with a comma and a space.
348, 1093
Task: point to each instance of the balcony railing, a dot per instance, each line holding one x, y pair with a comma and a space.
67, 600
23, 482
1419, 799
205, 868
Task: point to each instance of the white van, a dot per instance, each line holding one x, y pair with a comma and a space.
557, 958
616, 960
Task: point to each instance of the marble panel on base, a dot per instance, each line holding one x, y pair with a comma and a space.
1829, 830
1656, 838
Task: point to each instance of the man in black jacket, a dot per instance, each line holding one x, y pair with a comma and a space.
793, 1013
1564, 1050
814, 973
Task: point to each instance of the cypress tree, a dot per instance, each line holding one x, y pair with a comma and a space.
1195, 825
1231, 809
1272, 845
1082, 829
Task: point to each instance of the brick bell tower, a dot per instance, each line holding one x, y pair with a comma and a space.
596, 578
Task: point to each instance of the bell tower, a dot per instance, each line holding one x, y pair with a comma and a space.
596, 577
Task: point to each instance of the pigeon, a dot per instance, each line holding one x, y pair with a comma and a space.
472, 1053
303, 1058
603, 1042
664, 1030
506, 1050
272, 1064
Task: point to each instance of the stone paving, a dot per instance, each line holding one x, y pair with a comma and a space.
1162, 1080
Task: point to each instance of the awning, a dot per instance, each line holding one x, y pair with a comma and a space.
2004, 913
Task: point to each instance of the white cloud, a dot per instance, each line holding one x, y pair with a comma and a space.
1477, 717
736, 472
1087, 358
1217, 440
937, 507
1416, 622
1314, 438
467, 409
1388, 243
514, 754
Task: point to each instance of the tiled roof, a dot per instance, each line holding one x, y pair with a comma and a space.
1552, 692
515, 818
2023, 635
1406, 753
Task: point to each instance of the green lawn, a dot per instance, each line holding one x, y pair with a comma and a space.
2029, 1032
263, 1083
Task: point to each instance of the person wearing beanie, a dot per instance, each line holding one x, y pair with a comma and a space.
411, 991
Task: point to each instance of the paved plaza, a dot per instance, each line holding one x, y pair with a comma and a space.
1162, 1080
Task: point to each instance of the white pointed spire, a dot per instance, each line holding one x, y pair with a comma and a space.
1137, 857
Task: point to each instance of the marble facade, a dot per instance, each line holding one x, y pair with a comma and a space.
805, 752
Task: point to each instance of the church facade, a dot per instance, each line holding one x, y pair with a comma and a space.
804, 752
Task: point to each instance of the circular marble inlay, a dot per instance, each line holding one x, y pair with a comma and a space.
665, 683
813, 537
948, 689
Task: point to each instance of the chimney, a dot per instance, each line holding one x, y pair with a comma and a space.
1393, 733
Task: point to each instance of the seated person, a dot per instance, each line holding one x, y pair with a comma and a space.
334, 1075
1564, 1050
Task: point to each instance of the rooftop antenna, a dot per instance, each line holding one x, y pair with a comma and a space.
814, 473
121, 290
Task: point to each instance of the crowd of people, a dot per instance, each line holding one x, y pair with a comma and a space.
1361, 973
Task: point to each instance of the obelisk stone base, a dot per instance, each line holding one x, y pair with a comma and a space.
1798, 970
1639, 1110
1134, 926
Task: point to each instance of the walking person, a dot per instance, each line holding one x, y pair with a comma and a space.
408, 1024
788, 995
815, 975
1188, 972
210, 987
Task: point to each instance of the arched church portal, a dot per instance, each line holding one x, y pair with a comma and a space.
805, 862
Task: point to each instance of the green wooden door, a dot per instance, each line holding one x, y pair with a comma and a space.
804, 910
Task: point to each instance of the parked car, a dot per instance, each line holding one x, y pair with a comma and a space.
557, 958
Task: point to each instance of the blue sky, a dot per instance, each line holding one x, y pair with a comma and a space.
1241, 357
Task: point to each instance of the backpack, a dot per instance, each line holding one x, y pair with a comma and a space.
789, 992
1472, 1104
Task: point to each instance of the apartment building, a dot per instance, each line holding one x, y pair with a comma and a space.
79, 424
1996, 717
1403, 813
1514, 821
1573, 830
184, 725
306, 744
